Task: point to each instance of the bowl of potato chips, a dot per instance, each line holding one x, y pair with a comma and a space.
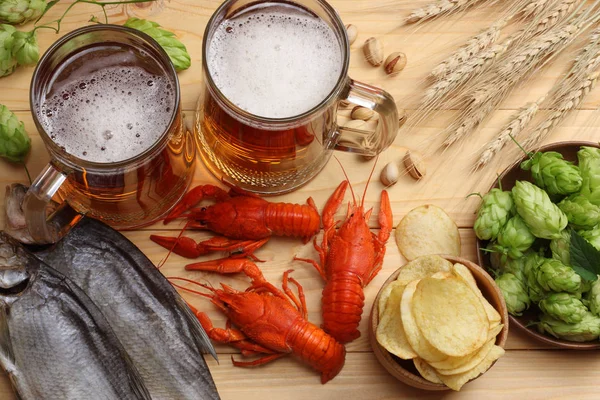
438, 322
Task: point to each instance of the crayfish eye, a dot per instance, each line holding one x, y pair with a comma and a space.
202, 222
203, 209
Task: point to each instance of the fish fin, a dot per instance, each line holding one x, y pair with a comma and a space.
7, 356
199, 334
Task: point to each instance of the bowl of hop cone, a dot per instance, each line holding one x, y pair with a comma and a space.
538, 231
438, 322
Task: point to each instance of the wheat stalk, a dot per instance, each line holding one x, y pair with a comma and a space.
515, 126
564, 105
490, 91
468, 51
465, 72
533, 8
438, 8
459, 69
556, 14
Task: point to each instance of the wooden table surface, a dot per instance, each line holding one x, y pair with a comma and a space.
529, 369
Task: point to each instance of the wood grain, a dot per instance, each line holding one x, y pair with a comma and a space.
528, 370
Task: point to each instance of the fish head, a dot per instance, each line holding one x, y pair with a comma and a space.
14, 271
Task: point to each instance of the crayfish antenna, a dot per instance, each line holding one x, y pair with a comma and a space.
162, 263
362, 202
348, 179
205, 286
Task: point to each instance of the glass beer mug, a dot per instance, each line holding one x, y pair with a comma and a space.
274, 73
105, 100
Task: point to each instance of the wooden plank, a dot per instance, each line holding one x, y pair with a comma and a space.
534, 375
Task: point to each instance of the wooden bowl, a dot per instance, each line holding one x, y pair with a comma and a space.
508, 178
404, 370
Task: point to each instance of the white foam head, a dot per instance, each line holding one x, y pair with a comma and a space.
111, 115
275, 62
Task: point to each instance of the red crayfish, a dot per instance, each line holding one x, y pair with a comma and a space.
349, 259
245, 221
268, 322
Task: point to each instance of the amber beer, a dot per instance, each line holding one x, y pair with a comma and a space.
273, 61
109, 114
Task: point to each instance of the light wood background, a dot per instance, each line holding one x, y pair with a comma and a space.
528, 370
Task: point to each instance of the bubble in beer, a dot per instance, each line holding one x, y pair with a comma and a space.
98, 127
277, 66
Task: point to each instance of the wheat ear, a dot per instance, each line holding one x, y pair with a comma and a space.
468, 51
490, 91
464, 73
438, 8
556, 14
564, 105
512, 128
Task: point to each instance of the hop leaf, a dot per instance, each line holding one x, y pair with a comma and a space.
21, 11
176, 50
14, 142
554, 174
25, 48
544, 218
494, 212
8, 62
514, 292
564, 306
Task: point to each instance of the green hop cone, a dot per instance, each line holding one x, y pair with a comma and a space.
176, 50
560, 247
25, 48
544, 219
555, 276
563, 306
516, 267
515, 237
580, 212
494, 212
14, 142
589, 167
21, 11
553, 173
531, 265
514, 292
586, 330
593, 298
592, 236
8, 62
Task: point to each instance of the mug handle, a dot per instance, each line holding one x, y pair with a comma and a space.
42, 227
366, 142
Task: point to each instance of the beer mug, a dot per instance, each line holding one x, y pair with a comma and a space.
274, 74
105, 100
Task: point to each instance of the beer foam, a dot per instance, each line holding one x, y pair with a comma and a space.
110, 115
275, 62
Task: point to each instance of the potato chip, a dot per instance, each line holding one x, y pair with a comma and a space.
426, 371
415, 338
384, 296
450, 316
390, 331
427, 230
457, 381
470, 361
464, 273
423, 267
